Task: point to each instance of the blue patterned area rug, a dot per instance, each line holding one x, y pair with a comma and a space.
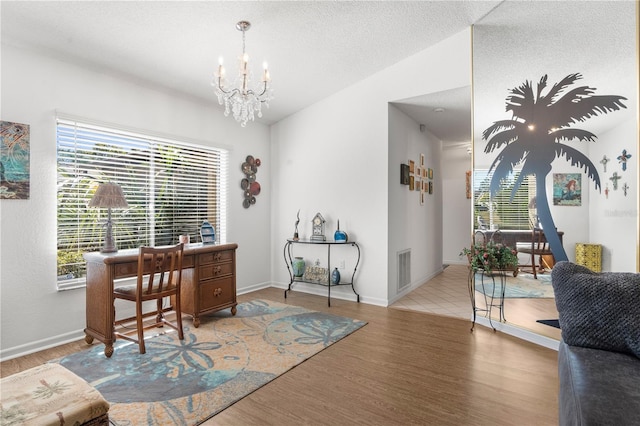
225, 359
522, 286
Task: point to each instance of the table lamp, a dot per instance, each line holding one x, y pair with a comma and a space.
108, 195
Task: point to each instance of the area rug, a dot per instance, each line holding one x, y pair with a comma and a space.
522, 286
225, 359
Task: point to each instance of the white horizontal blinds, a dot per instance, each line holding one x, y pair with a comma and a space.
500, 211
171, 188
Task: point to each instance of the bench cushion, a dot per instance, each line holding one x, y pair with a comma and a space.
50, 395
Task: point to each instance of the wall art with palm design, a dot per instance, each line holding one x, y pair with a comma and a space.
542, 121
14, 161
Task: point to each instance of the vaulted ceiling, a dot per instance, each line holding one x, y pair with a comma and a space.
314, 48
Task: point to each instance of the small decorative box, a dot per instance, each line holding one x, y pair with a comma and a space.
589, 255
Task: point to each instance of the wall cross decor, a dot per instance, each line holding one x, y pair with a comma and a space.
604, 162
615, 179
622, 158
625, 188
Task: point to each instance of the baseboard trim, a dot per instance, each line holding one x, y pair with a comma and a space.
520, 333
40, 345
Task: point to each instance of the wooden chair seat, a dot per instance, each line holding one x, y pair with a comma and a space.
129, 291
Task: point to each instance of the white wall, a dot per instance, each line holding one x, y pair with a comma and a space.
420, 227
333, 157
34, 86
456, 207
613, 219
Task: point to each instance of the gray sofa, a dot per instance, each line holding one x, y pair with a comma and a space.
599, 355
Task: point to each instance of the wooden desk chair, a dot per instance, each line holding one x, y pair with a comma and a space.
159, 277
537, 247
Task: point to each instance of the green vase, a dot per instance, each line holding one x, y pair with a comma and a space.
298, 266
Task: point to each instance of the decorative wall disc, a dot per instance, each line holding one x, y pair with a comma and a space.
250, 187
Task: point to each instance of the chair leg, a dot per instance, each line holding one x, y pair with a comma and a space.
140, 327
178, 311
159, 315
533, 265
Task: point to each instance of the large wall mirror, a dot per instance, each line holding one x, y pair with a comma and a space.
569, 72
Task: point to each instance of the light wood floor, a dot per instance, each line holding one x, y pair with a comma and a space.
448, 294
402, 368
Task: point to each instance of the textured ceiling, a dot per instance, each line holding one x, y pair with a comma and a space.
313, 48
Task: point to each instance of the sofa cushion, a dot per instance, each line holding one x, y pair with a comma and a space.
598, 310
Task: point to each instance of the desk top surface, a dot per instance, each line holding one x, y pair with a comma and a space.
131, 255
307, 241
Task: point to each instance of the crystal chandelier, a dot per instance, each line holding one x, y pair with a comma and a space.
241, 99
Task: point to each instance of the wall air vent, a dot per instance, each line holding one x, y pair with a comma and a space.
404, 269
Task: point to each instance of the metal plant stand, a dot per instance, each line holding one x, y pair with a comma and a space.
493, 298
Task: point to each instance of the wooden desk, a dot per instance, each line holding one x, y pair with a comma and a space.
512, 236
208, 285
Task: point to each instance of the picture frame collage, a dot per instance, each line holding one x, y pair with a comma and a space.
418, 177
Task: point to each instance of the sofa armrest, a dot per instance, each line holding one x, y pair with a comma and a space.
598, 387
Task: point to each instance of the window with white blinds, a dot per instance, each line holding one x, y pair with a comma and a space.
171, 188
500, 212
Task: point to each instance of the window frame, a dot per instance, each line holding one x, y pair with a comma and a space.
193, 176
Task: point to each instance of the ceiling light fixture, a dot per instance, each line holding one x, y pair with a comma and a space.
240, 99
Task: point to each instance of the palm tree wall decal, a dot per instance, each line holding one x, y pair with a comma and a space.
533, 137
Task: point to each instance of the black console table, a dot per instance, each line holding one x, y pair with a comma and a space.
288, 259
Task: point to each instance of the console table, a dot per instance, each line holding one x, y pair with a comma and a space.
288, 259
208, 285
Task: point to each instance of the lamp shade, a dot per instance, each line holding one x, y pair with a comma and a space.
109, 195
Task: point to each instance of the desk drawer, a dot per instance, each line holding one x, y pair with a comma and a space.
216, 270
216, 256
216, 293
123, 270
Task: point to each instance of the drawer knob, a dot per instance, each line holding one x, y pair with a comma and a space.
217, 257
217, 292
217, 270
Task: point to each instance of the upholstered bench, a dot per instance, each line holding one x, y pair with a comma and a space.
50, 395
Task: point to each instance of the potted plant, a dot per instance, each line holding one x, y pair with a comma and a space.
491, 256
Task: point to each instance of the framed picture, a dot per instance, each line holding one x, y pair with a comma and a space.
411, 183
404, 174
14, 160
422, 198
567, 189
412, 166
418, 171
430, 187
430, 173
422, 160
